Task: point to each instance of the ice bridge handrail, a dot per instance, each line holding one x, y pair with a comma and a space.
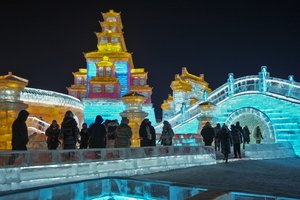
244, 85
50, 98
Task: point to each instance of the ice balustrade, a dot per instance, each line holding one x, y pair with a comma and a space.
36, 125
45, 157
50, 97
285, 89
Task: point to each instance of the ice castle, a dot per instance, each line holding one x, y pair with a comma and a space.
256, 100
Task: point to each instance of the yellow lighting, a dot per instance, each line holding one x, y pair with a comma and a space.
82, 70
105, 62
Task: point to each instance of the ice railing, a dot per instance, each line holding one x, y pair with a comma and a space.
276, 87
54, 157
36, 125
50, 97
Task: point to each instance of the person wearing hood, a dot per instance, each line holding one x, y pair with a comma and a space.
123, 134
20, 132
52, 134
147, 134
97, 133
208, 134
69, 131
167, 134
84, 136
226, 141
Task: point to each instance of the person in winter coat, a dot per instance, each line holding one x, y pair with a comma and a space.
226, 142
20, 132
147, 134
217, 133
167, 134
52, 134
84, 137
69, 131
237, 139
97, 134
123, 134
246, 135
111, 133
238, 126
208, 134
257, 135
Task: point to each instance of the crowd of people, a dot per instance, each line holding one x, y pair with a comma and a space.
100, 134
110, 134
224, 138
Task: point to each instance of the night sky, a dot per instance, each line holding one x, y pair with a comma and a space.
43, 41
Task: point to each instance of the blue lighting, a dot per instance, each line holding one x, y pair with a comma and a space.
121, 67
107, 108
91, 70
122, 76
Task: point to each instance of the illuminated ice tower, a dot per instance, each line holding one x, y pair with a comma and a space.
10, 105
110, 74
187, 90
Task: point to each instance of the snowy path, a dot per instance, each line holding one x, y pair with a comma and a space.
278, 177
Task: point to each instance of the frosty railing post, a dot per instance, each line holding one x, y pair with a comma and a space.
292, 81
263, 75
230, 82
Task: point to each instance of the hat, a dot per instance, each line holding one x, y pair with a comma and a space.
124, 120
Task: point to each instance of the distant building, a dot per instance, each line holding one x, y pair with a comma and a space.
187, 90
109, 75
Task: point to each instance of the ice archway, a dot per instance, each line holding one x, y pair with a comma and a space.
252, 117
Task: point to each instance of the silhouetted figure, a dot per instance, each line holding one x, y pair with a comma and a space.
20, 132
147, 134
97, 134
167, 134
19, 135
52, 134
237, 139
208, 134
84, 136
69, 131
238, 126
216, 138
226, 142
246, 134
111, 133
258, 135
123, 134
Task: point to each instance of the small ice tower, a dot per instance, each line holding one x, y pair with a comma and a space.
134, 113
206, 114
10, 105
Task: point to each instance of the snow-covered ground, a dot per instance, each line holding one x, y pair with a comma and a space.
277, 177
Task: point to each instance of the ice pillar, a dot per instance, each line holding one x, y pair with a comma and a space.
206, 109
263, 76
230, 82
10, 105
134, 113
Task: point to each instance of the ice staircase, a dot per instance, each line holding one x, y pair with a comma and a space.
269, 151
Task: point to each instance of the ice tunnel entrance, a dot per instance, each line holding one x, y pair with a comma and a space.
253, 117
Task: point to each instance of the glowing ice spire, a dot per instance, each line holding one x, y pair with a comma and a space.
230, 82
263, 76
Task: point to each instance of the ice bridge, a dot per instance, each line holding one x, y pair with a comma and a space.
258, 100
